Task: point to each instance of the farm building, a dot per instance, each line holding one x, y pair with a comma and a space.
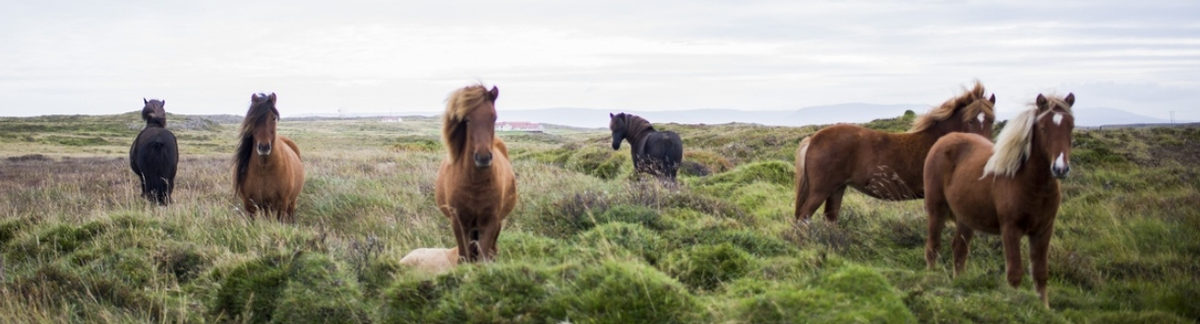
519, 127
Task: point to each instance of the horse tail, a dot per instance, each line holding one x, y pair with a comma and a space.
801, 174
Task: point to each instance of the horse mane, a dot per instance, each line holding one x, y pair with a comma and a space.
1015, 142
633, 125
948, 108
259, 111
160, 121
458, 105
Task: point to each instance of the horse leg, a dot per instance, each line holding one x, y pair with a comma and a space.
489, 237
816, 195
461, 238
833, 205
961, 246
1010, 236
937, 222
249, 206
1039, 245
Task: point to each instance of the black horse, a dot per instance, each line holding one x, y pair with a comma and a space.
154, 156
654, 152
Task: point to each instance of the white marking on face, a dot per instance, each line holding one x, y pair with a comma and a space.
1058, 119
981, 118
1060, 163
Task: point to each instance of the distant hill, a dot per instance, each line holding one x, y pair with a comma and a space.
598, 118
1091, 117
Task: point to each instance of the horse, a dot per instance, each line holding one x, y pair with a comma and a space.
1010, 189
476, 187
268, 173
881, 165
154, 154
653, 152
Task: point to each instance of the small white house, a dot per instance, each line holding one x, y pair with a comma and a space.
391, 119
519, 127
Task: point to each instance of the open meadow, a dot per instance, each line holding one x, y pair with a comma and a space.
588, 242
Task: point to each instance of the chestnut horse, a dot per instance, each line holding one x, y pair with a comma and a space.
154, 155
653, 152
268, 173
882, 165
476, 187
1010, 189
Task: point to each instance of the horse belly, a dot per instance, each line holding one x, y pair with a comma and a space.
970, 200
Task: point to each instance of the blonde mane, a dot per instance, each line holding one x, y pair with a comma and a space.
458, 105
948, 108
1015, 142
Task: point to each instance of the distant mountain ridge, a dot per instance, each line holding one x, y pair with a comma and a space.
816, 115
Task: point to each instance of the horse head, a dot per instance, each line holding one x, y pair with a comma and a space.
153, 112
1053, 131
979, 116
481, 129
264, 116
618, 124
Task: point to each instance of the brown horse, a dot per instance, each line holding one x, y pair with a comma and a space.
268, 173
882, 165
1010, 189
476, 187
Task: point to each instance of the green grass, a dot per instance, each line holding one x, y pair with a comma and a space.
589, 242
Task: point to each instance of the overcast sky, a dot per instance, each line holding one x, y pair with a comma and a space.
103, 57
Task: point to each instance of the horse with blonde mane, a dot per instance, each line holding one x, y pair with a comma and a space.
881, 165
1010, 189
268, 173
476, 187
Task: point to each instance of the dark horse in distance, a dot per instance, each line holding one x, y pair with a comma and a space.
476, 187
881, 165
654, 152
154, 155
268, 173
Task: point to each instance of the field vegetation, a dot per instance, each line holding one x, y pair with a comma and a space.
589, 241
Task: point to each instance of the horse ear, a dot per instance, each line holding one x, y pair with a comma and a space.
494, 93
271, 98
993, 99
610, 115
253, 97
144, 101
164, 102
1041, 102
1070, 99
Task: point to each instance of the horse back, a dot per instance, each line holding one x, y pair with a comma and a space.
291, 144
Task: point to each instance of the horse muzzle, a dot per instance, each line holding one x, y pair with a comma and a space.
483, 160
1060, 167
264, 149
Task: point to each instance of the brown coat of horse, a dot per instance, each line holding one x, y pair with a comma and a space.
1010, 189
268, 173
476, 187
882, 165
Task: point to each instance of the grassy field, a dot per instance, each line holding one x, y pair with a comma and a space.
588, 242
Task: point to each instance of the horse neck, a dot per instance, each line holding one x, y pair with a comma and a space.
638, 131
1036, 167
